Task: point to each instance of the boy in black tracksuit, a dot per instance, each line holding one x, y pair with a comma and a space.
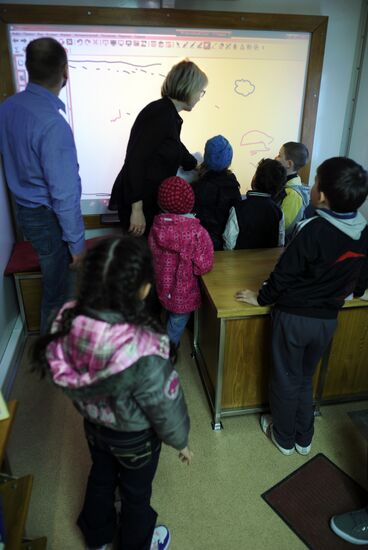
324, 263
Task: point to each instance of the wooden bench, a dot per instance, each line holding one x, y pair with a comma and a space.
24, 266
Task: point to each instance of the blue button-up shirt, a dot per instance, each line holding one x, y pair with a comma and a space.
40, 158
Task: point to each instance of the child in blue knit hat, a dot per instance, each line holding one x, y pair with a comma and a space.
216, 189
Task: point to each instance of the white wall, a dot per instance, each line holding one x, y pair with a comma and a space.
8, 301
358, 146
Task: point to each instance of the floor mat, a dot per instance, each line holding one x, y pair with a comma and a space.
308, 497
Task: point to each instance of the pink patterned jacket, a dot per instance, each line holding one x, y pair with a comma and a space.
119, 376
182, 250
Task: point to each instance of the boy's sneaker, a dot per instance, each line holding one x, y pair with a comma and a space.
266, 425
352, 526
303, 450
161, 538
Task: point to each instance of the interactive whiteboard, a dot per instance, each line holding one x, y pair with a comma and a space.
254, 98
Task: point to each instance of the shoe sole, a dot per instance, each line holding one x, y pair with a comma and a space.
344, 535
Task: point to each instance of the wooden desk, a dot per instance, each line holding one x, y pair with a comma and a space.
5, 428
232, 341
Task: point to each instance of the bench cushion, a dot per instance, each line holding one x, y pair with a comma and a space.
24, 257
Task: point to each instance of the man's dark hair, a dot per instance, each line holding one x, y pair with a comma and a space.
297, 152
45, 61
344, 182
270, 177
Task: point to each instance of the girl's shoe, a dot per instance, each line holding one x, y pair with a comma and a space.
161, 538
267, 429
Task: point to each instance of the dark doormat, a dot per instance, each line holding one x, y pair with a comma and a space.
308, 497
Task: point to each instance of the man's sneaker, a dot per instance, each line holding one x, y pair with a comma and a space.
161, 538
352, 526
303, 450
266, 425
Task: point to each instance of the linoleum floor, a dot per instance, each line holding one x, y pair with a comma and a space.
214, 504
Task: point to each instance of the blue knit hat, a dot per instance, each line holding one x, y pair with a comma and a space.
218, 153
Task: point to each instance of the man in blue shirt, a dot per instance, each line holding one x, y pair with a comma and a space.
41, 169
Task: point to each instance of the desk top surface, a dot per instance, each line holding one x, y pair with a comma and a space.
239, 269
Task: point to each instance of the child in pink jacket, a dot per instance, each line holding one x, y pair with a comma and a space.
182, 250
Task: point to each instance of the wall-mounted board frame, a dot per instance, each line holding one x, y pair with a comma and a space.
315, 26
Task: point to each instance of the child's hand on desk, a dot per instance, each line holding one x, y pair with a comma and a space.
248, 296
186, 455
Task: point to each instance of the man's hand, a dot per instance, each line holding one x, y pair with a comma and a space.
77, 260
137, 220
248, 296
186, 455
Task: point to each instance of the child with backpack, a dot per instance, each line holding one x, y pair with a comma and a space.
295, 197
257, 221
216, 189
111, 359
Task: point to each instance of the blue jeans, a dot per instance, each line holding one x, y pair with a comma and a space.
41, 227
176, 323
127, 460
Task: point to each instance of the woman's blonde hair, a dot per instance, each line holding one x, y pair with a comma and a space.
184, 80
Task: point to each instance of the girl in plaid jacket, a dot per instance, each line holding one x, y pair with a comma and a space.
107, 354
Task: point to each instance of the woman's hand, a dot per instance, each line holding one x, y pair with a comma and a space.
248, 296
137, 220
186, 455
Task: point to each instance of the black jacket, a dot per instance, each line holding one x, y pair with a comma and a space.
259, 220
154, 152
215, 193
321, 266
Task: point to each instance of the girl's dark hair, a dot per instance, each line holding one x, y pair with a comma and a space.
112, 274
270, 177
344, 182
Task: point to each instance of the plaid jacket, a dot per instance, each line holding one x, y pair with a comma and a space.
119, 376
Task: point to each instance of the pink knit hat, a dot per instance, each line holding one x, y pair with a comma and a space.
176, 195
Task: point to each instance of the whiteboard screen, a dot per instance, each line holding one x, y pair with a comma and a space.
254, 98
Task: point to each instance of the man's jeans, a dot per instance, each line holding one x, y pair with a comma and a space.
127, 460
41, 227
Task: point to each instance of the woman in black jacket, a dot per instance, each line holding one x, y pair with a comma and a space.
154, 150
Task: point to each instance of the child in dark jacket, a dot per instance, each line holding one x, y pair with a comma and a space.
216, 189
182, 251
324, 263
111, 359
257, 221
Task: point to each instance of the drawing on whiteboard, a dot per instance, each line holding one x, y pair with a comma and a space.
256, 141
133, 66
116, 118
244, 87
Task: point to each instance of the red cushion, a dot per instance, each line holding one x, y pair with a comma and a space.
24, 257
